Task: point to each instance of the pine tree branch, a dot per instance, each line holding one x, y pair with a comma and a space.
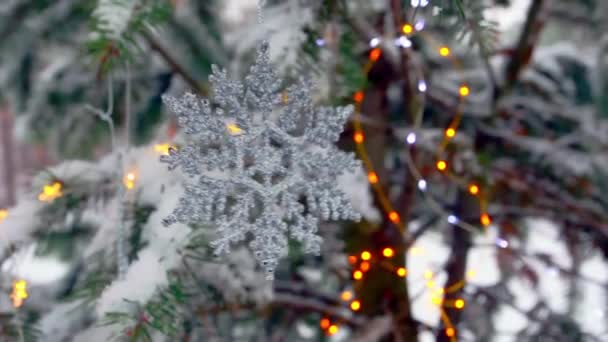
522, 55
175, 66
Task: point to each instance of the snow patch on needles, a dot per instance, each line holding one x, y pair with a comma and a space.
114, 16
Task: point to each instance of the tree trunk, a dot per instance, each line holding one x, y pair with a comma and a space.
6, 138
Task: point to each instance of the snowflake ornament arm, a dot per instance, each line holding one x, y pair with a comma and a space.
261, 167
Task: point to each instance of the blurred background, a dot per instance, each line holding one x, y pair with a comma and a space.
507, 240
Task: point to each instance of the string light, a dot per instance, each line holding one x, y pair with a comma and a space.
365, 255
402, 272
333, 329
320, 42
442, 165
352, 259
3, 214
422, 185
428, 274
444, 51
364, 266
358, 137
407, 29
163, 149
452, 219
324, 323
374, 42
394, 217
450, 332
422, 86
372, 177
346, 296
485, 219
464, 91
502, 243
19, 293
233, 129
403, 42
419, 26
359, 96
450, 132
388, 252
355, 305
129, 180
459, 303
473, 189
375, 54
50, 192
357, 275
436, 300
411, 138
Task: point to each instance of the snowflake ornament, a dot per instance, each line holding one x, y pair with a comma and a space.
261, 164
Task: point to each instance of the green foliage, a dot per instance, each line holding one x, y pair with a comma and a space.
109, 49
19, 326
136, 243
465, 21
162, 314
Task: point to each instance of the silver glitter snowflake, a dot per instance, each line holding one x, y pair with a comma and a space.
262, 165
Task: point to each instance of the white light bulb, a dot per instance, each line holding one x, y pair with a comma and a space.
452, 219
403, 42
424, 3
374, 42
502, 243
415, 3
419, 26
411, 138
320, 42
422, 86
422, 185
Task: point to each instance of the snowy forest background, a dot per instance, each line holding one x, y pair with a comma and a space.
533, 135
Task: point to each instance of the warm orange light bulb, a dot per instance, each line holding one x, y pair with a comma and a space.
324, 323
450, 332
450, 132
444, 51
459, 303
394, 217
233, 129
372, 177
388, 252
3, 214
485, 219
365, 255
442, 165
358, 137
375, 54
473, 189
364, 266
407, 29
464, 91
346, 296
163, 149
333, 329
357, 275
352, 259
402, 272
355, 305
359, 96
